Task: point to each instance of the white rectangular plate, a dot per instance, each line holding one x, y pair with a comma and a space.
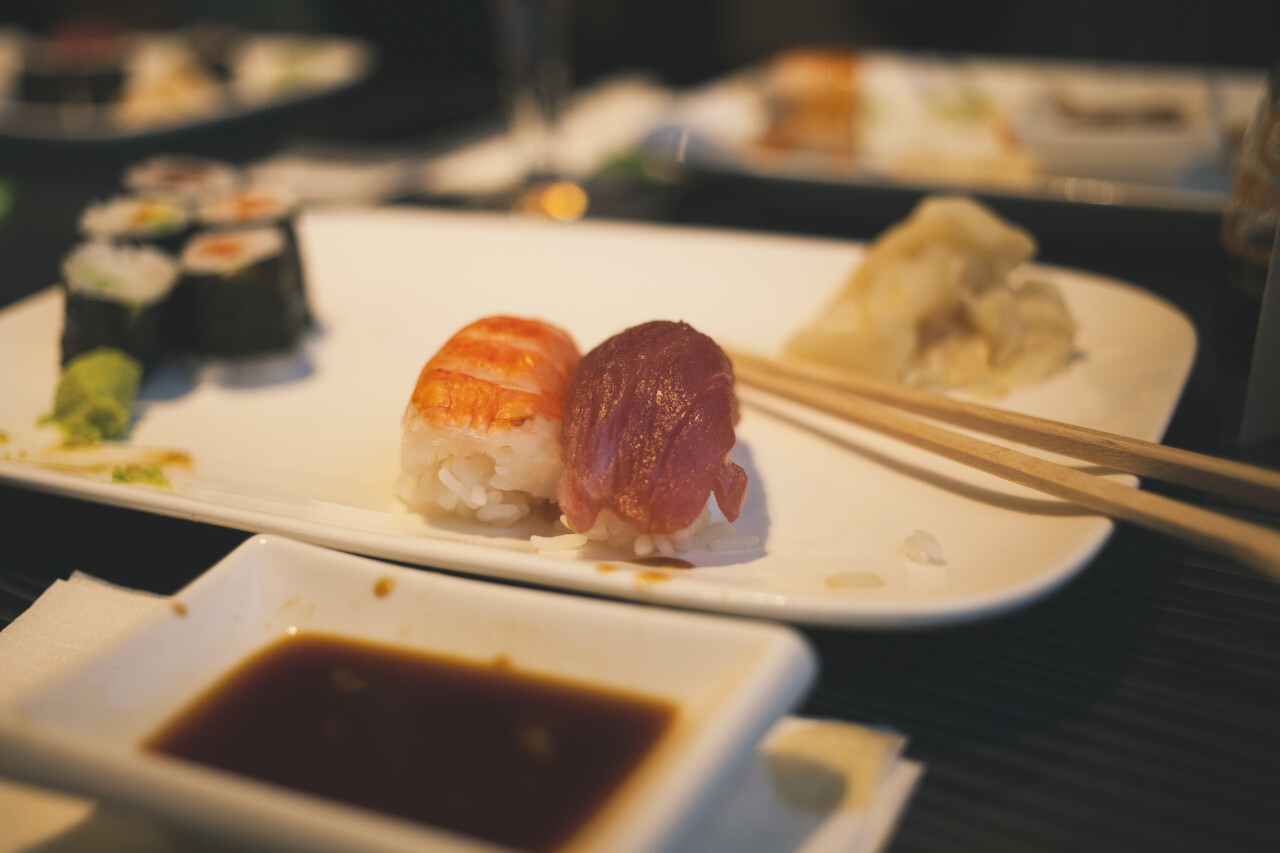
312, 450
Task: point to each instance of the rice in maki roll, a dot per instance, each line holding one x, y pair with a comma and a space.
239, 294
116, 297
137, 219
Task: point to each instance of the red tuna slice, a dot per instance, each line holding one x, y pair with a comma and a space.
648, 426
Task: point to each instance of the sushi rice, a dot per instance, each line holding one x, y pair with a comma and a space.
135, 275
496, 478
609, 529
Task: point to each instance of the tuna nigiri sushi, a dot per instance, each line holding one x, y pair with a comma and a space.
648, 425
482, 429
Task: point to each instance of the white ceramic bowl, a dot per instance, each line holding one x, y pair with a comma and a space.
729, 678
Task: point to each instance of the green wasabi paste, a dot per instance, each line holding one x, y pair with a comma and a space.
94, 400
151, 475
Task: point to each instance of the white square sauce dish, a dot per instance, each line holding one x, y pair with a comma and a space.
299, 698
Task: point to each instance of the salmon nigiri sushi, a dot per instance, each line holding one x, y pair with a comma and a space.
648, 426
482, 430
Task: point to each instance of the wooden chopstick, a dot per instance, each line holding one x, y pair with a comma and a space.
1247, 484
1251, 544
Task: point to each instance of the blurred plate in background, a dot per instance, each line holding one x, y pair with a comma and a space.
1156, 137
112, 84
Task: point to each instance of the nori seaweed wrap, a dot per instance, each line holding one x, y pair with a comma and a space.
239, 294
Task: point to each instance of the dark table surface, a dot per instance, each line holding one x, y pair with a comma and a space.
1135, 709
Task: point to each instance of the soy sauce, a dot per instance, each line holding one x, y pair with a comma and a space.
484, 750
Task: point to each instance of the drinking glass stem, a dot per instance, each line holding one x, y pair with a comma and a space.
531, 39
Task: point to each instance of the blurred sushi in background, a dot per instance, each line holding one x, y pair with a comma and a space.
95, 77
184, 178
165, 82
162, 222
267, 67
78, 64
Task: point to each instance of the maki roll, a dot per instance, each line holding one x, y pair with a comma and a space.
181, 177
482, 428
239, 294
116, 296
649, 422
165, 83
250, 206
137, 219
